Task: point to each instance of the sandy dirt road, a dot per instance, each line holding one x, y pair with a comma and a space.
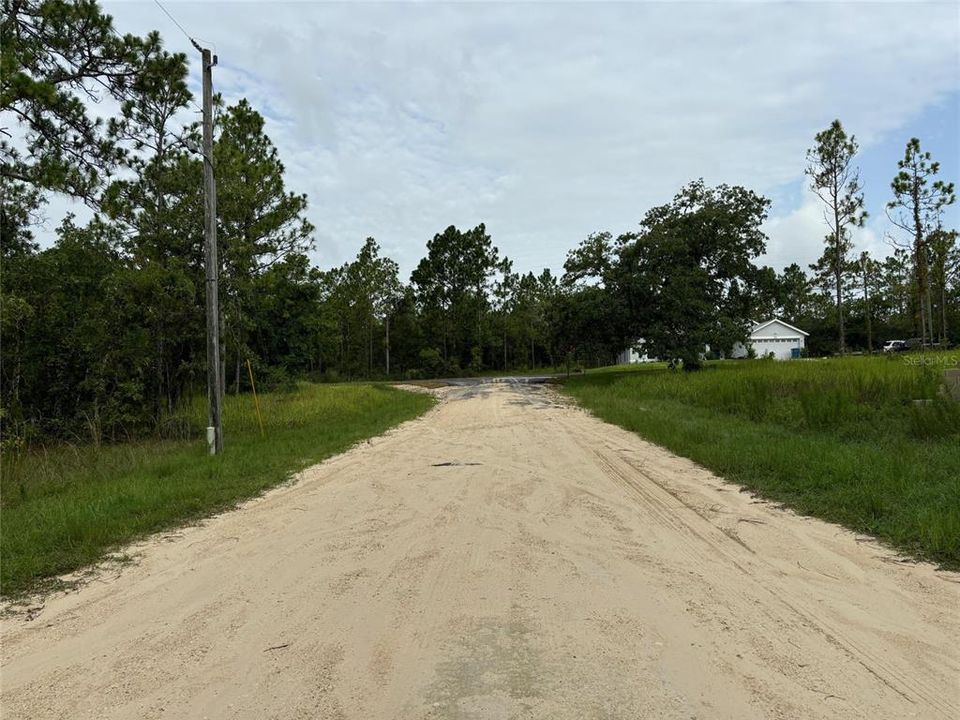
504, 556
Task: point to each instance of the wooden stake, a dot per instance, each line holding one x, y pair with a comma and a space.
256, 401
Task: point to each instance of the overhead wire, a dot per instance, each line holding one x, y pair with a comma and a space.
123, 93
175, 22
185, 34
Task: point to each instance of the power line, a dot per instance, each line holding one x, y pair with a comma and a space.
185, 34
120, 37
167, 13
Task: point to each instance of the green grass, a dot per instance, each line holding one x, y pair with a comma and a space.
66, 507
840, 439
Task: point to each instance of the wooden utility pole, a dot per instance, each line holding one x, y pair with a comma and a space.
214, 368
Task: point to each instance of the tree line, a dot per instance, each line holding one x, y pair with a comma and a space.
911, 292
103, 332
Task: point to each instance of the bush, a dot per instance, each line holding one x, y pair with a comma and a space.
431, 361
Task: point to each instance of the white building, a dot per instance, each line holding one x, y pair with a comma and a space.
774, 337
632, 355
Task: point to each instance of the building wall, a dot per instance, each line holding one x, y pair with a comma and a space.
781, 347
630, 356
776, 338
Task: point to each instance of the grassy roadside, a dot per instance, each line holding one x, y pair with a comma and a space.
66, 507
839, 439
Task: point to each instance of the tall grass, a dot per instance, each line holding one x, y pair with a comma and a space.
66, 506
869, 442
857, 397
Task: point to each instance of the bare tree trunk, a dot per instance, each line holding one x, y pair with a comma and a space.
838, 273
920, 262
479, 317
866, 304
840, 323
17, 370
387, 345
223, 354
943, 312
923, 294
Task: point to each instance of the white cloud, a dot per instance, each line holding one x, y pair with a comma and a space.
798, 236
549, 121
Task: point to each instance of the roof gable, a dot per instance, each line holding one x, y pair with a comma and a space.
777, 321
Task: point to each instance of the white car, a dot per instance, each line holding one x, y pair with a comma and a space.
894, 345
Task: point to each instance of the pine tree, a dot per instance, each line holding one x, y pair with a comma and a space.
836, 182
917, 206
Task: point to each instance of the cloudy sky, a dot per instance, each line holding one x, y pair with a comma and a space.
550, 120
